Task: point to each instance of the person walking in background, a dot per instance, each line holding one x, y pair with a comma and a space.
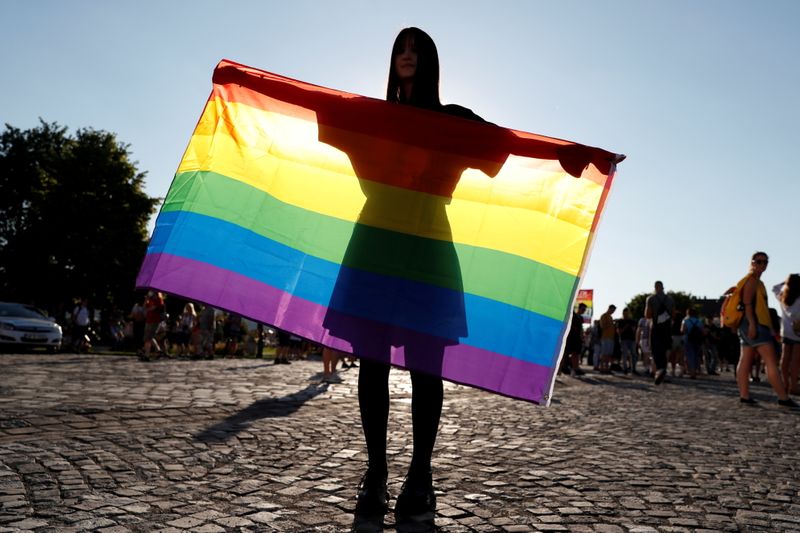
626, 329
692, 329
186, 323
712, 346
728, 349
595, 345
676, 353
233, 334
138, 319
788, 294
207, 323
81, 319
658, 309
282, 347
153, 315
574, 344
643, 342
607, 333
329, 359
756, 334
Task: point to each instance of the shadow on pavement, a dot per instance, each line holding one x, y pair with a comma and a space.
645, 386
266, 408
725, 387
52, 362
242, 368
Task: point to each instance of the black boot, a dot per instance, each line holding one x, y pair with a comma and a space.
417, 500
373, 496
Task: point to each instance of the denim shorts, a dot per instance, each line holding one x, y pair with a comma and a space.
790, 342
763, 335
607, 347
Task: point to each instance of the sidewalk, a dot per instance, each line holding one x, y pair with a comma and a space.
106, 443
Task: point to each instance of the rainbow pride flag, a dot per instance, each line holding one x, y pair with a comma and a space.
423, 239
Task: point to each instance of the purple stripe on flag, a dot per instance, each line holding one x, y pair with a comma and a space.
459, 363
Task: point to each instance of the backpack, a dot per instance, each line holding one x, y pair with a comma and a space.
695, 335
732, 310
661, 323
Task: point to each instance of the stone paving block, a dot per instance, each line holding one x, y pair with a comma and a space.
94, 523
233, 521
28, 523
608, 528
185, 522
209, 528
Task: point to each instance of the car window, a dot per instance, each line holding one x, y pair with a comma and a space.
21, 311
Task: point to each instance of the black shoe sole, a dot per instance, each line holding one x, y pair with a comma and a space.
368, 523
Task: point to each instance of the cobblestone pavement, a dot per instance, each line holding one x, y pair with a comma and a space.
107, 443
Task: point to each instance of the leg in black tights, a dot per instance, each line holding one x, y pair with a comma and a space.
426, 409
373, 401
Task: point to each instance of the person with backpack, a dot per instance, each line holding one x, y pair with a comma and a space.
692, 329
658, 309
756, 334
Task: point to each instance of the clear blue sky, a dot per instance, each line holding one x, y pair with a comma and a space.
701, 95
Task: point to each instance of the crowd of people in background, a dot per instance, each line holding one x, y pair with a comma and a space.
671, 342
664, 342
625, 345
197, 332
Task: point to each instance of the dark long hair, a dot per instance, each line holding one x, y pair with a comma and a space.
426, 79
791, 289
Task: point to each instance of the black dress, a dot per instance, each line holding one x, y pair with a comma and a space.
433, 301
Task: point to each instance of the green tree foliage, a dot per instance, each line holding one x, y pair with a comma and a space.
683, 300
73, 217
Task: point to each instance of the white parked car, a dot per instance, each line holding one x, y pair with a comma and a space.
24, 326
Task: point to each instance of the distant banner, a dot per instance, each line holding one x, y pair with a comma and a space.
586, 296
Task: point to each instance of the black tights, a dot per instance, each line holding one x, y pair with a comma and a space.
426, 409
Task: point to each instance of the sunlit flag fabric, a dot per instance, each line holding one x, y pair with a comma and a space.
415, 237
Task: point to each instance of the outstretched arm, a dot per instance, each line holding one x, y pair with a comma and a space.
574, 158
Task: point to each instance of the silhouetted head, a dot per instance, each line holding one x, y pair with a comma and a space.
759, 262
791, 289
415, 59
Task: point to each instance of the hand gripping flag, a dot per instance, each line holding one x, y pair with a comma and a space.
424, 240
